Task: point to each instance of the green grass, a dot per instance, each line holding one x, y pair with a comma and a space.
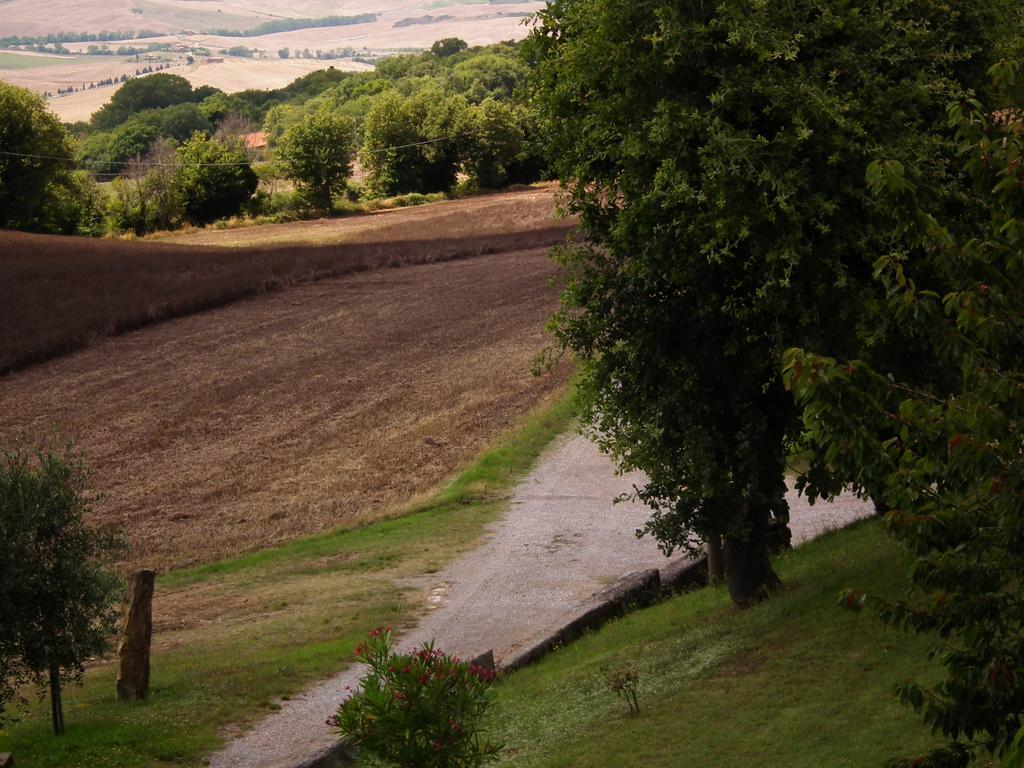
290, 615
795, 683
19, 61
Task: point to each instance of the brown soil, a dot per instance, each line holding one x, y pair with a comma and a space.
57, 294
296, 411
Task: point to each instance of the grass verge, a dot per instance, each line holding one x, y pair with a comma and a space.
291, 615
795, 683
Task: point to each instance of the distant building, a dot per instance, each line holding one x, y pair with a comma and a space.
255, 141
255, 145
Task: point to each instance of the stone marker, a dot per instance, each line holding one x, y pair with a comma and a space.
6, 761
136, 633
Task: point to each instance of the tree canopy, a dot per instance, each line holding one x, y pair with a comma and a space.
946, 461
141, 93
214, 179
317, 154
412, 144
38, 189
715, 154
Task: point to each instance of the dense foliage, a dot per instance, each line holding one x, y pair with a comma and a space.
317, 154
947, 462
420, 709
58, 591
142, 93
39, 191
214, 178
715, 154
412, 144
431, 122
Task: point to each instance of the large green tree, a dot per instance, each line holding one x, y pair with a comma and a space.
317, 154
214, 179
946, 461
58, 589
33, 145
715, 154
497, 142
142, 93
414, 143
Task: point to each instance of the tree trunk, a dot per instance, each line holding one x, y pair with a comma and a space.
748, 568
716, 562
56, 706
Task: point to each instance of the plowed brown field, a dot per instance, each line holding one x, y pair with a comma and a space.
59, 293
297, 411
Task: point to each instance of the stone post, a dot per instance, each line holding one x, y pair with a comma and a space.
136, 633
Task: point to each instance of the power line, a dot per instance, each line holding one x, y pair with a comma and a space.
209, 165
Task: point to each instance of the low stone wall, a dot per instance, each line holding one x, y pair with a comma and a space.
634, 590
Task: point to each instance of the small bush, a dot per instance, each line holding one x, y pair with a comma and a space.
624, 683
419, 709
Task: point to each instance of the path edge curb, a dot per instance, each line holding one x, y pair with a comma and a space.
638, 589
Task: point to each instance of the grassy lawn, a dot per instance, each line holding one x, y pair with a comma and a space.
795, 683
269, 623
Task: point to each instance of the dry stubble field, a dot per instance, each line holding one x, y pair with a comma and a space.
291, 412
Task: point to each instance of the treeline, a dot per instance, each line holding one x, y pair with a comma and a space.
265, 28
75, 37
107, 81
290, 25
125, 50
320, 54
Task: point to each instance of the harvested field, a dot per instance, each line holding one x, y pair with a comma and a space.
487, 214
230, 75
59, 293
298, 411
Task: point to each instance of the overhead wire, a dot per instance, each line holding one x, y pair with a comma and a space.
143, 163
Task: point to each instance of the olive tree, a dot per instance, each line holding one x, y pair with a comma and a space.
58, 589
715, 154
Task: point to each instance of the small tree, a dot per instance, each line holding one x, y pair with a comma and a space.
317, 154
448, 46
58, 590
214, 179
146, 197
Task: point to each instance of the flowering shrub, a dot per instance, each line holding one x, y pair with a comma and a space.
419, 709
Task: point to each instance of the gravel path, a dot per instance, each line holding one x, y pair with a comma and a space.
560, 540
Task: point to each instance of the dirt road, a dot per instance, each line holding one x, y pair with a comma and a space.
294, 412
561, 539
